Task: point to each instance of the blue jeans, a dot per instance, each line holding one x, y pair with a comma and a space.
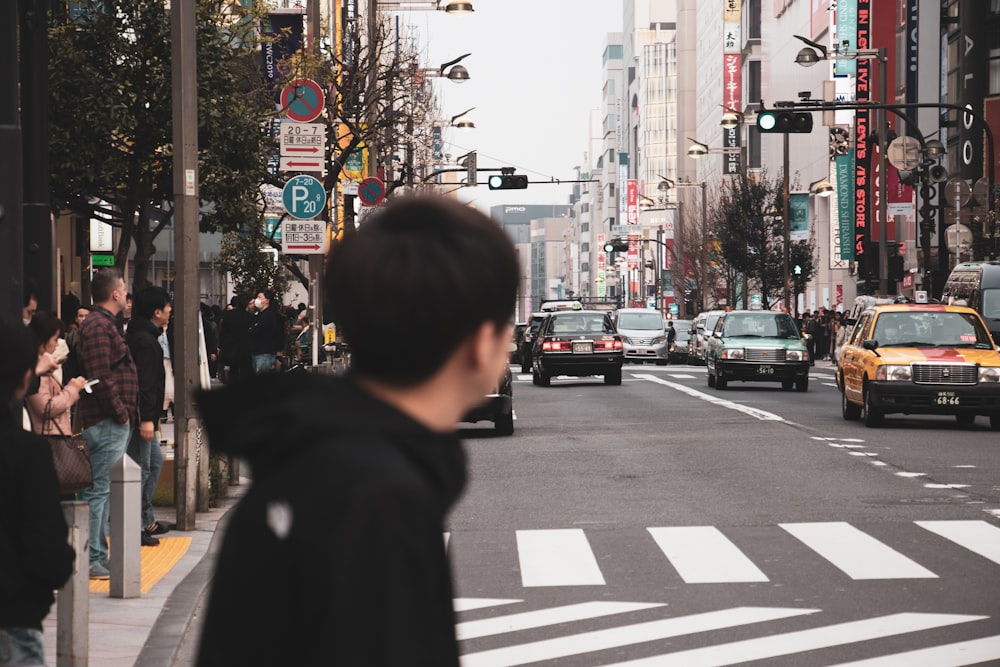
263, 363
21, 647
149, 456
107, 441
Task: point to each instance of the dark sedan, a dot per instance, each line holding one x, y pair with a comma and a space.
577, 343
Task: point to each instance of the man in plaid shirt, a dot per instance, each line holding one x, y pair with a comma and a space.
107, 415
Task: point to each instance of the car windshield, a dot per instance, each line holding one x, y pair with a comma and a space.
581, 323
929, 329
683, 333
640, 321
763, 325
991, 303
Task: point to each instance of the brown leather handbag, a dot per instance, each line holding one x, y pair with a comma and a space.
71, 456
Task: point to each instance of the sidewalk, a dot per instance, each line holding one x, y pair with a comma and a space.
149, 631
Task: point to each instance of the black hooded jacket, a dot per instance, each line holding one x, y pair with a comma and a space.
336, 555
35, 555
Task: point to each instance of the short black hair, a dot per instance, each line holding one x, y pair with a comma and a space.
419, 277
104, 283
20, 354
45, 325
268, 293
148, 300
30, 292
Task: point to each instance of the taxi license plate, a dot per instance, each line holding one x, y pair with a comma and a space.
583, 348
946, 398
765, 370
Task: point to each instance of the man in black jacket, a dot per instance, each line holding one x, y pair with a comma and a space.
266, 333
234, 344
150, 314
335, 555
35, 556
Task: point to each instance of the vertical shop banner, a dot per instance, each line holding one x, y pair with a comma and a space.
899, 196
732, 46
847, 34
974, 69
798, 220
862, 155
632, 201
731, 10
622, 187
283, 33
845, 205
633, 251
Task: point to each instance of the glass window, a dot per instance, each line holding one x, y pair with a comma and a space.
640, 321
581, 323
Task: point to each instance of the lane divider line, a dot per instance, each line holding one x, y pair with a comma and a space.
762, 415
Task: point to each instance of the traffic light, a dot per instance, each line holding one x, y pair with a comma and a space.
508, 182
616, 245
784, 122
797, 270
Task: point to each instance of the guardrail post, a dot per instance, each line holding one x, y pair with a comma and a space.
126, 527
73, 601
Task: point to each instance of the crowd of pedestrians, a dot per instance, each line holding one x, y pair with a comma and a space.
826, 331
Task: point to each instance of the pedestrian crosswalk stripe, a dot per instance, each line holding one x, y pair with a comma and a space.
703, 555
559, 557
789, 643
857, 554
599, 640
970, 652
976, 536
470, 604
543, 617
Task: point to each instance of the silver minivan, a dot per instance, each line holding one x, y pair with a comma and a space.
704, 323
645, 335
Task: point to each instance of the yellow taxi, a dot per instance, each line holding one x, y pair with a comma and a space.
919, 359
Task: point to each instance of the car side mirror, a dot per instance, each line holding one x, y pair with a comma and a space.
870, 344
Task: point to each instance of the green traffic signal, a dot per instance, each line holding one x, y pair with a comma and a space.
616, 245
785, 122
507, 182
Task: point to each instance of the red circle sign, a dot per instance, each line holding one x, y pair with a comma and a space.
371, 191
302, 100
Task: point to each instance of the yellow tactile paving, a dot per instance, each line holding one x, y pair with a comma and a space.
156, 562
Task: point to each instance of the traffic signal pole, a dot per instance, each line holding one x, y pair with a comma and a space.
786, 224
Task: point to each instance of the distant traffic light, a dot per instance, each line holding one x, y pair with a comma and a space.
797, 270
616, 245
508, 182
784, 122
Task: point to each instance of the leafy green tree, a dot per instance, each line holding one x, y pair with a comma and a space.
748, 222
111, 119
250, 266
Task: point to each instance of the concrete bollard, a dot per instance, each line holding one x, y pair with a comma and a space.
73, 601
126, 526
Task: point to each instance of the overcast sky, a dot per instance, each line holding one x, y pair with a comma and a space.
536, 74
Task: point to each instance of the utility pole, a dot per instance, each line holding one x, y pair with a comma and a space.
183, 50
11, 221
786, 225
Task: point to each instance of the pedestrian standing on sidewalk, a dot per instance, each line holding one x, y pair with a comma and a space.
35, 556
151, 314
353, 476
266, 332
50, 408
234, 341
108, 414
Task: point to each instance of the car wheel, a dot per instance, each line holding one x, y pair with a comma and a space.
788, 385
965, 418
615, 377
544, 379
504, 424
995, 421
720, 382
802, 383
871, 415
535, 379
662, 362
850, 411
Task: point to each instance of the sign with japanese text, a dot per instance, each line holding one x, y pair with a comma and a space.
844, 164
632, 201
307, 237
633, 251
731, 100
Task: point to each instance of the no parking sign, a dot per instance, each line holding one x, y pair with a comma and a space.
302, 100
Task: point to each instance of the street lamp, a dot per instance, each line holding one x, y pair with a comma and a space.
461, 121
698, 148
457, 73
811, 54
821, 188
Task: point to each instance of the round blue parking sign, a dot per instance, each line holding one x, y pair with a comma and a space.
303, 197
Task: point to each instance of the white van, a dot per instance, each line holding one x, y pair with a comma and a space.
977, 285
645, 334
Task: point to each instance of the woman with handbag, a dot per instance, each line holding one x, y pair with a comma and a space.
50, 408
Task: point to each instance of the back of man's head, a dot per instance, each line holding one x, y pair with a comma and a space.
149, 300
417, 279
104, 283
20, 353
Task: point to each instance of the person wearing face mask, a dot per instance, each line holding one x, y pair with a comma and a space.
265, 334
49, 409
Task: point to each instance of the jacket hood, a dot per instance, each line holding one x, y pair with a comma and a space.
269, 419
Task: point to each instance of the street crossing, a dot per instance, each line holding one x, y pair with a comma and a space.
705, 554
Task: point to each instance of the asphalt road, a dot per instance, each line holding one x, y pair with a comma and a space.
664, 522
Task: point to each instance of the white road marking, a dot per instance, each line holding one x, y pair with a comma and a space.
829, 384
763, 415
814, 639
469, 604
599, 640
681, 377
543, 617
703, 555
557, 558
946, 486
964, 466
862, 453
976, 536
910, 474
970, 652
856, 554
